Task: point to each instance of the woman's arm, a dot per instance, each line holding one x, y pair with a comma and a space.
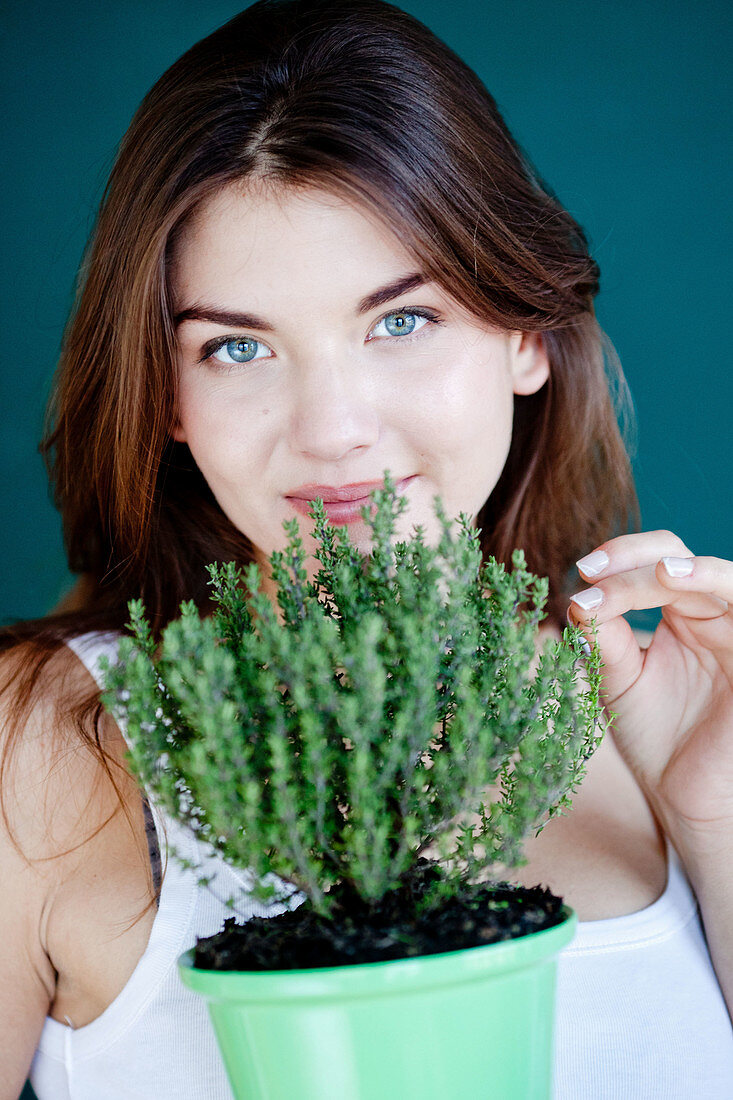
707, 858
673, 704
27, 984
54, 840
27, 978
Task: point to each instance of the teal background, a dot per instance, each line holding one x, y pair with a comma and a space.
624, 107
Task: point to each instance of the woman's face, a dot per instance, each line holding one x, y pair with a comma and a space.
300, 375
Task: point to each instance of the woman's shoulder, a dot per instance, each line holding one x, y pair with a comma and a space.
72, 838
48, 696
39, 684
64, 783
56, 748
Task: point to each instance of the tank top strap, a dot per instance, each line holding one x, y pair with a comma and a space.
90, 647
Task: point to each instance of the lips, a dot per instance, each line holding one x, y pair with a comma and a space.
342, 503
332, 494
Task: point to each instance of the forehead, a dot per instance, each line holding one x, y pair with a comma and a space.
256, 231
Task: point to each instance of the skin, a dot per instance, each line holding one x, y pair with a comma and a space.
334, 398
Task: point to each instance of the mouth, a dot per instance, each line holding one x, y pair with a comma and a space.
343, 503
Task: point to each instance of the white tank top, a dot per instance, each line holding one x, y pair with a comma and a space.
640, 1014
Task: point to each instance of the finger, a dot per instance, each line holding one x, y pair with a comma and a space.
711, 639
712, 576
630, 552
640, 589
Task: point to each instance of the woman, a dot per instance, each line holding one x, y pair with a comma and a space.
321, 254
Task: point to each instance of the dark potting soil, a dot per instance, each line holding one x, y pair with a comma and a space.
360, 933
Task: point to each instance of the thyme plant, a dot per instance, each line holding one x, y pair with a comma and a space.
339, 740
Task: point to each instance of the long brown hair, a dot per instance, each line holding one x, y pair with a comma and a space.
363, 100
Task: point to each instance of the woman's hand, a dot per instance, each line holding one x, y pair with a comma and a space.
673, 701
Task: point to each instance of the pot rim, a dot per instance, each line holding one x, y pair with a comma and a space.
352, 981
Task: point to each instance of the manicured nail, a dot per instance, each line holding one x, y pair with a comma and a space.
588, 600
678, 567
593, 564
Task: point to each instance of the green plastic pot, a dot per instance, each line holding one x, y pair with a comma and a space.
475, 1024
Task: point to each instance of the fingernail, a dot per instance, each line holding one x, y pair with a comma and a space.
585, 647
593, 564
588, 600
678, 567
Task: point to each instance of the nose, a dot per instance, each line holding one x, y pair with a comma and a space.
331, 414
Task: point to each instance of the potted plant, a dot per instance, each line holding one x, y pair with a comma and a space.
381, 742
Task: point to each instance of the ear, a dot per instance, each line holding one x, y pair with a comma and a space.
529, 362
175, 430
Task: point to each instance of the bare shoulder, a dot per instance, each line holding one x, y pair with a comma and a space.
57, 754
36, 741
64, 808
63, 774
36, 754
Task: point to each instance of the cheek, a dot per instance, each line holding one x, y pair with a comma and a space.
466, 407
223, 436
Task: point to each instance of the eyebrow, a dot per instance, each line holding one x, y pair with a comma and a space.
249, 320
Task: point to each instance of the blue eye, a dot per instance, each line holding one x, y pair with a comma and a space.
403, 322
399, 324
237, 349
